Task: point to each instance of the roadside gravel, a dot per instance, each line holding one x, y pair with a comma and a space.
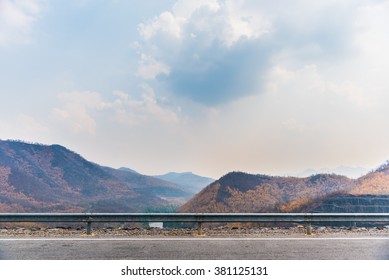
220, 232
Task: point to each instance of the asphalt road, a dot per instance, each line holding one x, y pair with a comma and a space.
195, 248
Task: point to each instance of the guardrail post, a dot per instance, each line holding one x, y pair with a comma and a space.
309, 228
199, 228
89, 228
308, 224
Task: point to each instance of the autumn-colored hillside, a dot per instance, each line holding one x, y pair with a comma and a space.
241, 192
41, 178
376, 182
369, 193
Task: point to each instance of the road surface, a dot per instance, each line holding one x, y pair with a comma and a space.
195, 248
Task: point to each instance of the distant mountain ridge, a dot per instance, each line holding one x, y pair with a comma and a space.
191, 181
40, 178
351, 172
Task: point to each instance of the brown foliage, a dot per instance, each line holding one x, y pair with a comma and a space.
264, 193
41, 178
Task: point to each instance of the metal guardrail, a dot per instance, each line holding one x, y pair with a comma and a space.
88, 218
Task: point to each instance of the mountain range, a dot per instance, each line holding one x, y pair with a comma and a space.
51, 178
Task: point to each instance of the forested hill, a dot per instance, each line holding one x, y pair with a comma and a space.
241, 192
39, 178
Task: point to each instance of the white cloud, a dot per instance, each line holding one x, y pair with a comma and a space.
77, 109
165, 23
149, 68
81, 112
185, 9
207, 50
131, 111
224, 21
214, 51
16, 19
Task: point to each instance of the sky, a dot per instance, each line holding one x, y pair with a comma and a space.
208, 86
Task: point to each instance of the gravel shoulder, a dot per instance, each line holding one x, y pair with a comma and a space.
220, 232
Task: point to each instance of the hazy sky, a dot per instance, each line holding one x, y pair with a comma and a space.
209, 86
